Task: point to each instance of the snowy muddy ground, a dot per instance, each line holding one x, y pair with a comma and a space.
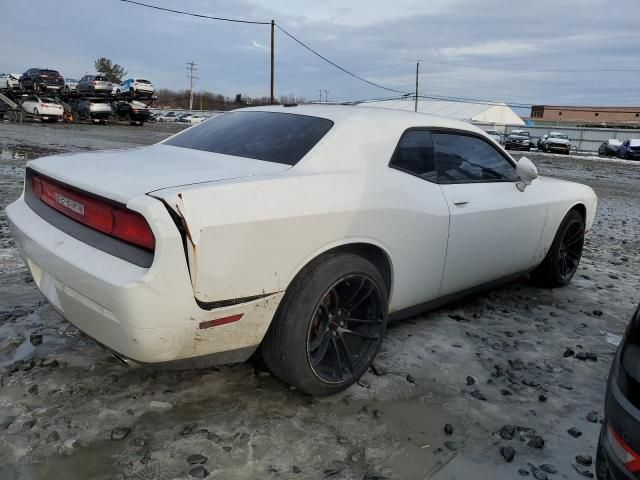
502, 368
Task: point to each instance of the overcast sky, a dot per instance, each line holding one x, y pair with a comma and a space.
525, 48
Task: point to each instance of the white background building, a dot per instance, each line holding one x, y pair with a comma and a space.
471, 112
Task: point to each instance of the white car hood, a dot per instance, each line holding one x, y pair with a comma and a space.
121, 175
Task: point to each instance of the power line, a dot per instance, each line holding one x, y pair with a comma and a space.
525, 69
191, 14
335, 64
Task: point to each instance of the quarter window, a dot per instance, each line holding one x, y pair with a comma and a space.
464, 158
414, 154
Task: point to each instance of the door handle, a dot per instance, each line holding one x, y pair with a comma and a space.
460, 201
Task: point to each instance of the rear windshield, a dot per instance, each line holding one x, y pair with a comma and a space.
100, 78
140, 80
269, 136
49, 72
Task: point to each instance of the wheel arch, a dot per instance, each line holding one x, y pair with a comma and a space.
581, 208
366, 248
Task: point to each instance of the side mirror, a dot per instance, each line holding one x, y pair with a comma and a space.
527, 172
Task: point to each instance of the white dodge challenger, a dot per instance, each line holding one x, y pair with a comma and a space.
298, 230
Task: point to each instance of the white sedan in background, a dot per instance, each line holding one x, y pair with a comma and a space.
298, 230
43, 106
9, 81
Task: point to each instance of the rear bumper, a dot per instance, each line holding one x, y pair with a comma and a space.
624, 418
148, 315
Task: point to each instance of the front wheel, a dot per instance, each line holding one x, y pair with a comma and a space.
329, 326
562, 260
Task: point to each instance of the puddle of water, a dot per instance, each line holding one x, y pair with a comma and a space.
25, 152
419, 427
10, 353
461, 468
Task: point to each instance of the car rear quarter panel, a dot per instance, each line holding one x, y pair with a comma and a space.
236, 252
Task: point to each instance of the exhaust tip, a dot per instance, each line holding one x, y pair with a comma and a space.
123, 360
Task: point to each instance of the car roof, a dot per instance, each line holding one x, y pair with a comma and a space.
343, 113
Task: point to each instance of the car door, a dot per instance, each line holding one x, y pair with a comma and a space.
494, 228
420, 248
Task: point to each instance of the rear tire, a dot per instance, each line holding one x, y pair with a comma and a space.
602, 467
562, 260
329, 326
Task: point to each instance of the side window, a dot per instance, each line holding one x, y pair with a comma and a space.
464, 158
414, 154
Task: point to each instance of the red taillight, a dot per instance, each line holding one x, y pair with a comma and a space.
132, 227
115, 221
44, 105
624, 452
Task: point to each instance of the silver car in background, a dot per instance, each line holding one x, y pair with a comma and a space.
70, 85
94, 84
555, 142
94, 109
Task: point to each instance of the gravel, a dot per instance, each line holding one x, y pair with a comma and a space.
511, 341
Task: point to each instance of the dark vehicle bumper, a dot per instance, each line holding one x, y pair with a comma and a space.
140, 117
633, 155
560, 148
517, 146
624, 418
611, 152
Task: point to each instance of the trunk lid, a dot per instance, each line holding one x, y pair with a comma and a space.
121, 175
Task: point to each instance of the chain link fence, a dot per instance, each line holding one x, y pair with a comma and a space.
583, 139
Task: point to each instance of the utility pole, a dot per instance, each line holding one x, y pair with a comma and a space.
320, 91
273, 33
191, 75
415, 107
326, 96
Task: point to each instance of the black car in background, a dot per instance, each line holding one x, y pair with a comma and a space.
135, 112
39, 79
610, 148
630, 149
518, 140
618, 455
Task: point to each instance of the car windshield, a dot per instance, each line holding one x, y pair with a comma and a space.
139, 80
269, 136
100, 78
520, 133
48, 100
560, 135
49, 72
72, 80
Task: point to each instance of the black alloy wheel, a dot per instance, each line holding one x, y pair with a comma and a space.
346, 329
571, 248
329, 325
562, 260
